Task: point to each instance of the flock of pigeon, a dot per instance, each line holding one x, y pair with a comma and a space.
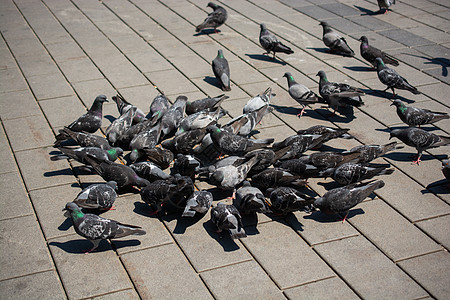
176, 144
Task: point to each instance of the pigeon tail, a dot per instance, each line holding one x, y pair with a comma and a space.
386, 172
188, 212
282, 48
354, 101
237, 233
200, 209
125, 230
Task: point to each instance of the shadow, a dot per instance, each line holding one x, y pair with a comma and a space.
65, 225
223, 238
207, 31
440, 187
80, 246
264, 57
110, 118
321, 217
328, 51
59, 173
212, 81
294, 222
329, 185
360, 69
287, 109
386, 95
368, 12
407, 156
441, 61
327, 148
143, 209
342, 115
117, 244
182, 222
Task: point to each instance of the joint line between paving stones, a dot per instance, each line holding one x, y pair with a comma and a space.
146, 248
16, 217
306, 283
28, 274
109, 293
225, 265
420, 255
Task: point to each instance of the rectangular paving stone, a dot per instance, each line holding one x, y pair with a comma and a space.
13, 196
126, 294
437, 229
37, 65
49, 86
149, 61
23, 248
276, 241
12, 80
316, 12
430, 33
192, 65
18, 104
371, 23
87, 275
369, 278
62, 111
163, 273
80, 69
205, 248
398, 238
7, 160
404, 37
29, 132
45, 285
88, 90
439, 74
428, 270
322, 289
39, 171
171, 82
341, 9
237, 287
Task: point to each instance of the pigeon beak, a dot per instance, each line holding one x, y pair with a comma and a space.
390, 137
392, 104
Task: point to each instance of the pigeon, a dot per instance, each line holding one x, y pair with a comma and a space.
325, 160
120, 125
222, 71
335, 42
370, 53
419, 139
84, 139
97, 196
446, 168
259, 101
186, 165
299, 144
342, 199
232, 144
270, 42
250, 199
200, 120
250, 119
229, 176
385, 4
95, 228
339, 94
392, 79
90, 121
185, 142
367, 153
80, 154
124, 175
300, 93
285, 200
354, 172
214, 19
414, 116
223, 162
204, 104
161, 157
227, 217
123, 106
147, 139
266, 157
329, 132
149, 171
125, 138
159, 106
172, 117
199, 202
274, 177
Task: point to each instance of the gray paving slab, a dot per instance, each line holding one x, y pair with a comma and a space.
80, 69
44, 285
125, 294
18, 104
12, 80
37, 65
437, 229
88, 90
50, 86
13, 196
172, 279
322, 289
61, 111
23, 248
6, 156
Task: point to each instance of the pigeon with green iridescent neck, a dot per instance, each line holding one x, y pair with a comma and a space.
227, 217
149, 171
95, 228
250, 199
172, 117
414, 116
146, 139
198, 203
392, 79
419, 139
335, 42
270, 42
367, 153
370, 53
84, 139
342, 199
123, 106
159, 106
300, 93
97, 196
221, 70
80, 154
120, 125
214, 19
285, 200
205, 104
259, 101
385, 4
354, 172
89, 122
299, 144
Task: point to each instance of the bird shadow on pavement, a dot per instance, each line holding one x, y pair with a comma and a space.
223, 238
143, 209
267, 58
360, 69
441, 61
66, 171
250, 222
407, 156
439, 187
321, 217
368, 12
206, 32
65, 225
212, 81
80, 246
182, 222
287, 109
389, 129
329, 185
110, 118
338, 117
385, 95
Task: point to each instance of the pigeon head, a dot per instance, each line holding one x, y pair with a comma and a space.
363, 39
262, 26
322, 75
101, 99
379, 61
289, 76
72, 210
212, 129
220, 53
397, 103
112, 184
324, 24
180, 101
212, 5
446, 163
134, 155
396, 133
114, 153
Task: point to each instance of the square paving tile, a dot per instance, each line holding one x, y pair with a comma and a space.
13, 196
13, 104
437, 229
7, 160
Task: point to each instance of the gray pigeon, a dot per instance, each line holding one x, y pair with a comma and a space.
159, 156
229, 176
146, 139
123, 106
367, 153
392, 79
285, 200
270, 42
184, 143
221, 70
95, 228
199, 202
205, 104
80, 154
227, 217
419, 139
335, 42
128, 135
84, 139
325, 160
120, 125
149, 171
186, 165
259, 101
214, 19
250, 120
97, 196
159, 106
414, 116
250, 199
90, 121
329, 132
342, 199
200, 120
354, 172
173, 116
299, 144
385, 4
300, 93
370, 53
339, 94
446, 168
275, 177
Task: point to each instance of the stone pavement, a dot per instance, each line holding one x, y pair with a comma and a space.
57, 55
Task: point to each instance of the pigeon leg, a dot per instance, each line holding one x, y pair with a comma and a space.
301, 112
417, 161
393, 93
95, 243
112, 208
345, 217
